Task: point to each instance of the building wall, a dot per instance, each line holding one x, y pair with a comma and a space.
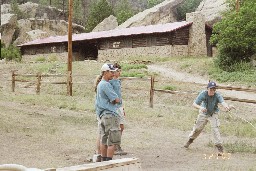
157, 51
197, 37
50, 57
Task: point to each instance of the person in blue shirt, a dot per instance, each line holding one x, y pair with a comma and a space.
207, 103
106, 111
116, 83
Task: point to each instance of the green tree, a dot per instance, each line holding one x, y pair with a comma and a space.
123, 11
77, 12
97, 13
187, 6
235, 36
10, 53
15, 9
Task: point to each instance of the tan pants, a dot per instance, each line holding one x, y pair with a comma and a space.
201, 121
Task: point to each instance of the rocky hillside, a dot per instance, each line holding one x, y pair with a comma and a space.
40, 21
37, 22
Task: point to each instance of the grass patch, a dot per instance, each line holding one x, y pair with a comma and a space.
240, 147
237, 147
170, 87
247, 77
134, 70
40, 59
127, 67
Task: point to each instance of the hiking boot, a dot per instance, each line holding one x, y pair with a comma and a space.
190, 141
119, 150
220, 149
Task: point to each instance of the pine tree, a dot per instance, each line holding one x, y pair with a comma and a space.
98, 12
123, 11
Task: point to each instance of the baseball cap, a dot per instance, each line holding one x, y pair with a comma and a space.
211, 85
108, 67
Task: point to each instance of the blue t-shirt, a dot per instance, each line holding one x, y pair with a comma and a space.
116, 83
104, 97
209, 102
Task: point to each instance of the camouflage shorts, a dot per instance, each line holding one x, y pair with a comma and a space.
110, 129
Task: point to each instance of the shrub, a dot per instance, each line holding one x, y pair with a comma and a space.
10, 53
40, 59
170, 87
235, 36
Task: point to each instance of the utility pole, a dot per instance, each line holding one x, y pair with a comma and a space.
69, 79
237, 5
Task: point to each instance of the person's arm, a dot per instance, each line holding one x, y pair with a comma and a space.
224, 104
199, 107
199, 99
227, 107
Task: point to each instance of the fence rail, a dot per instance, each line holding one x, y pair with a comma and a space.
152, 90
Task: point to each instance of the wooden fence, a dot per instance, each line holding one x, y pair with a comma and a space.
39, 81
152, 90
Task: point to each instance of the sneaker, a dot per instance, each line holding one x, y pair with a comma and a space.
119, 150
190, 141
96, 158
220, 149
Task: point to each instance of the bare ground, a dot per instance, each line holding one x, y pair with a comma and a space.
65, 144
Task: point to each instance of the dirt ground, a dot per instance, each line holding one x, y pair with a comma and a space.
158, 149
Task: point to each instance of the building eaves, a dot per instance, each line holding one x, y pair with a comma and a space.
160, 28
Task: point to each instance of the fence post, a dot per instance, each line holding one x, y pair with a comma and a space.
69, 84
151, 91
38, 85
13, 81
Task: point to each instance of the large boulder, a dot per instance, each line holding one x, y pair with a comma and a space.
162, 13
33, 10
5, 8
31, 29
8, 27
38, 22
107, 24
212, 10
29, 9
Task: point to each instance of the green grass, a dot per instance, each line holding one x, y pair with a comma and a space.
237, 147
246, 77
170, 87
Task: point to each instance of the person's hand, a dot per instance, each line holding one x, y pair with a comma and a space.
227, 108
203, 109
232, 107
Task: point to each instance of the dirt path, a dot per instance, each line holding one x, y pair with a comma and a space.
186, 77
43, 137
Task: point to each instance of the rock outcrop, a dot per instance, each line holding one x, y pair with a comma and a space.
212, 10
162, 13
8, 27
107, 24
39, 22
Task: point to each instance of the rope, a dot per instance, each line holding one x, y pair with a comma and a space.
231, 113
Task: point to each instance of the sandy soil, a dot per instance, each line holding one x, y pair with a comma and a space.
160, 150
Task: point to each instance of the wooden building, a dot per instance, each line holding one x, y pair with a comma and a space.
186, 38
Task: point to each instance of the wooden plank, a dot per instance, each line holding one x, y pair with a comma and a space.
134, 78
174, 92
240, 100
127, 164
226, 98
48, 82
236, 88
218, 87
26, 75
22, 80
